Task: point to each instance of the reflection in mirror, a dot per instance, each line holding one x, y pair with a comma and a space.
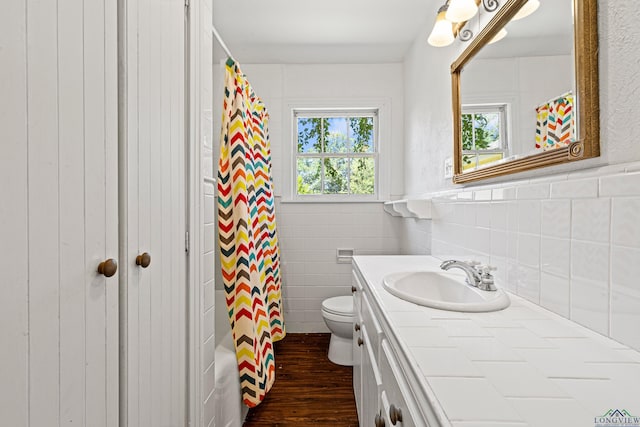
516, 99
517, 93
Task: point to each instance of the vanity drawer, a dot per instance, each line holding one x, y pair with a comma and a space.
373, 329
395, 389
371, 383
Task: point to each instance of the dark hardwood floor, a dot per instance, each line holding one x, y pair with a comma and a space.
309, 390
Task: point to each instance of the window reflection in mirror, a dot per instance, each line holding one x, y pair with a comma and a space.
518, 94
484, 134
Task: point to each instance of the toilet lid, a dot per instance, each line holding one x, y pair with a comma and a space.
339, 305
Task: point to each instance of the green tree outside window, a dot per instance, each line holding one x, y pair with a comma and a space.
483, 135
336, 155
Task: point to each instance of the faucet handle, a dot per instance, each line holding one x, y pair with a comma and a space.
487, 269
473, 263
486, 279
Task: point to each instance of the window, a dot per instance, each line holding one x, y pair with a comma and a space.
484, 134
336, 153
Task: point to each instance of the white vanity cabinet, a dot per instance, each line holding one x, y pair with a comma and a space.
382, 396
357, 342
402, 374
367, 380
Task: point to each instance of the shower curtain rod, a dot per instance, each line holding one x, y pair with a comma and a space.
224, 46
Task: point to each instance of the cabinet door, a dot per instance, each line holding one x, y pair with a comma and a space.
385, 411
371, 383
374, 331
396, 389
357, 348
59, 213
154, 335
357, 366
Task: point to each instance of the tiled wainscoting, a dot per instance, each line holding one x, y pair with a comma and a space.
309, 235
416, 237
570, 243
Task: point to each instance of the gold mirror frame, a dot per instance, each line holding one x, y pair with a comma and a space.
587, 144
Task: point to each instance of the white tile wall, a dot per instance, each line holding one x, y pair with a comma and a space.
590, 304
553, 256
626, 227
625, 294
556, 218
309, 235
528, 283
554, 293
569, 243
591, 219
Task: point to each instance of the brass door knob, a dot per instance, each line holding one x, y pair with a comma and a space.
379, 420
356, 327
143, 260
108, 268
353, 289
360, 342
395, 414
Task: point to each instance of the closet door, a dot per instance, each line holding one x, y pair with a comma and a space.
58, 213
153, 184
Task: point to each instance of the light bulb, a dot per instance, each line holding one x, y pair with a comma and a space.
461, 10
526, 10
501, 34
442, 33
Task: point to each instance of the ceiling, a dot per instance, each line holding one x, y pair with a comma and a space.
547, 31
326, 31
362, 31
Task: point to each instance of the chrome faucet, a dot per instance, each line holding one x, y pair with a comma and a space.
477, 275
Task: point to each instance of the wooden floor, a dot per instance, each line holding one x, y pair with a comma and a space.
309, 390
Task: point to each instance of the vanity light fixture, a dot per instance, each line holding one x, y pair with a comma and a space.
501, 34
461, 10
458, 12
526, 10
442, 33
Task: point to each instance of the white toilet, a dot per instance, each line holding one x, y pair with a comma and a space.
338, 315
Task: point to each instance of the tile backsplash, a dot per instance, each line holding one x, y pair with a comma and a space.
570, 243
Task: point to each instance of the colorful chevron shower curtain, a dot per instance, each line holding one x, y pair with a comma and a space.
250, 256
555, 123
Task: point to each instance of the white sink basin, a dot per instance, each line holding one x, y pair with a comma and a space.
445, 291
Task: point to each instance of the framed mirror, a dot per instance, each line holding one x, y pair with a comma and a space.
528, 100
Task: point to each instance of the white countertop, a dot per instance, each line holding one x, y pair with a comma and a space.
522, 366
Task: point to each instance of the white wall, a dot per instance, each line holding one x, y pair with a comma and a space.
309, 234
279, 85
592, 289
204, 240
428, 121
570, 243
202, 229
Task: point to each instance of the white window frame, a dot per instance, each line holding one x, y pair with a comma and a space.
501, 108
338, 108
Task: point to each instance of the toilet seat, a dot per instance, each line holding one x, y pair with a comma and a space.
339, 306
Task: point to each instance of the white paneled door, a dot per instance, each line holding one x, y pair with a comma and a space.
58, 213
153, 208
92, 168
